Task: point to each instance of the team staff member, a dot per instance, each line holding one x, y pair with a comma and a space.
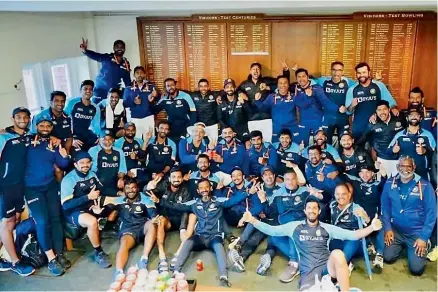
415, 142
311, 238
380, 135
62, 126
258, 153
352, 157
189, 148
180, 109
204, 171
254, 88
209, 229
286, 153
113, 113
206, 103
85, 117
13, 148
313, 105
367, 192
80, 192
234, 111
329, 153
363, 97
41, 193
173, 190
282, 107
335, 88
161, 152
109, 164
321, 176
408, 215
139, 99
416, 100
136, 212
114, 72
346, 215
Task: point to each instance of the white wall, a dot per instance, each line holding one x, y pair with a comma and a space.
30, 38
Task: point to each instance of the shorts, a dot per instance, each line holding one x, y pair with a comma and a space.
307, 280
73, 218
11, 200
136, 231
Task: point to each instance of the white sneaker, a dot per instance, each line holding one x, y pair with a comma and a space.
350, 268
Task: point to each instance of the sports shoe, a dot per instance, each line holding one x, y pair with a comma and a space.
163, 266
223, 281
142, 263
116, 273
55, 268
265, 263
233, 242
433, 255
378, 264
5, 265
173, 262
101, 222
22, 269
237, 260
64, 261
102, 259
290, 272
350, 268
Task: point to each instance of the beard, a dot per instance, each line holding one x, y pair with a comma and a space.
44, 135
414, 122
312, 220
130, 136
230, 93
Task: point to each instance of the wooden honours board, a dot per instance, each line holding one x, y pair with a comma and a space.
400, 45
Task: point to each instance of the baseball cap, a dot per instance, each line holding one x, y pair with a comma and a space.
127, 125
346, 133
81, 155
266, 168
236, 168
320, 130
20, 109
43, 118
228, 81
105, 133
368, 167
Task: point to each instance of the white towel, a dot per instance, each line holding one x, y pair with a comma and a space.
109, 113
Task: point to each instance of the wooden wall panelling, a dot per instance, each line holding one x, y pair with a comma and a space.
424, 72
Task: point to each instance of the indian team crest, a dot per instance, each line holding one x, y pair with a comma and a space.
212, 205
420, 140
415, 189
289, 155
138, 208
372, 91
166, 149
318, 232
297, 200
341, 85
178, 102
211, 97
398, 124
91, 111
115, 158
360, 157
91, 181
179, 199
135, 146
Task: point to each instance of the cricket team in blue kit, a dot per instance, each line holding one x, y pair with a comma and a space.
314, 167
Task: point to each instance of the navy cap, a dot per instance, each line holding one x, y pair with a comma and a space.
43, 118
266, 168
368, 167
127, 125
20, 109
320, 130
81, 155
228, 81
105, 133
346, 133
236, 168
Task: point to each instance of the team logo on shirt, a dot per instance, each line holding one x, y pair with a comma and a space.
138, 208
341, 85
415, 189
166, 149
91, 111
372, 91
115, 158
289, 155
211, 97
179, 199
318, 232
398, 124
420, 140
178, 102
360, 157
297, 200
136, 146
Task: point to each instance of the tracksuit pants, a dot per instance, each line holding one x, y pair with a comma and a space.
198, 242
45, 207
251, 238
349, 247
392, 253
